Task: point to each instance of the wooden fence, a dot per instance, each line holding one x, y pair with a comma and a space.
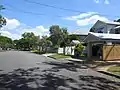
111, 52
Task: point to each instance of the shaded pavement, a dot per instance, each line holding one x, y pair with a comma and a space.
27, 71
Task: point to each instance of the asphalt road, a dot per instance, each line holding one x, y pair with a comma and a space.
26, 71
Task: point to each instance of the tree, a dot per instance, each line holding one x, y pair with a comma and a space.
55, 32
59, 36
74, 37
6, 42
2, 19
28, 41
65, 41
79, 49
45, 43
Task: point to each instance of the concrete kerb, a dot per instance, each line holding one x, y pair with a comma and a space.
104, 71
110, 74
100, 70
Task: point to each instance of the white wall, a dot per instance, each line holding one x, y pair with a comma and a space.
60, 50
68, 50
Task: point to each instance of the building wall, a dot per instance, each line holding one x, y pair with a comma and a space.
68, 50
105, 28
99, 25
110, 28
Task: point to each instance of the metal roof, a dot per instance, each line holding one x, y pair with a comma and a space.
110, 22
106, 35
79, 32
74, 42
101, 36
117, 27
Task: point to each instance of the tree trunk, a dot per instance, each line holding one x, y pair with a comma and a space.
64, 50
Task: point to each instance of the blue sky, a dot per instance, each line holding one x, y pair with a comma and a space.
89, 12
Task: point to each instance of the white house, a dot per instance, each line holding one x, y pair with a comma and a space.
106, 27
102, 33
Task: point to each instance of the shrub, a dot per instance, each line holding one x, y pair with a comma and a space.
79, 49
38, 52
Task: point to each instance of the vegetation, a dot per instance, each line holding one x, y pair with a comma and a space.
59, 56
78, 50
5, 42
28, 42
115, 70
59, 37
38, 52
2, 19
74, 37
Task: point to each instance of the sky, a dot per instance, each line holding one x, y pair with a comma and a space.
78, 15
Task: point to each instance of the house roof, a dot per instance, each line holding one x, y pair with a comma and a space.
75, 42
79, 32
110, 22
101, 36
117, 27
114, 23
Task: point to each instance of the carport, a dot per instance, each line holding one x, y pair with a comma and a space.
101, 40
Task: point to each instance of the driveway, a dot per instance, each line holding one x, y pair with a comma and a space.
26, 71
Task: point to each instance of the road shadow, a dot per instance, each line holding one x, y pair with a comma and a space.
98, 83
37, 79
70, 66
21, 79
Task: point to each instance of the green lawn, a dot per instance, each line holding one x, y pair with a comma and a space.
115, 70
58, 56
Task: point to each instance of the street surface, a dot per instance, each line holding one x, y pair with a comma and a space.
27, 71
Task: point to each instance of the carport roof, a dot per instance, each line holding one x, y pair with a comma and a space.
101, 36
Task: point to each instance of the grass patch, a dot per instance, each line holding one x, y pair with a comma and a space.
58, 56
114, 70
38, 52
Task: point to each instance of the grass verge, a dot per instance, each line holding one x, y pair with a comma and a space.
59, 56
38, 52
114, 70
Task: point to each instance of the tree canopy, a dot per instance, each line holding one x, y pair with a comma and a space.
5, 42
59, 36
2, 19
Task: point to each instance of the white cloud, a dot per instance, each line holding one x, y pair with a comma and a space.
83, 15
10, 35
106, 2
97, 1
90, 20
15, 28
38, 30
11, 24
42, 29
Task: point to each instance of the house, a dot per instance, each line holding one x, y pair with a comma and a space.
81, 35
106, 27
101, 35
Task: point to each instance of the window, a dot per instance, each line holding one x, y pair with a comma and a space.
100, 30
117, 32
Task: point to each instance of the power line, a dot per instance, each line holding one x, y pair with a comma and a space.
65, 9
14, 9
46, 5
